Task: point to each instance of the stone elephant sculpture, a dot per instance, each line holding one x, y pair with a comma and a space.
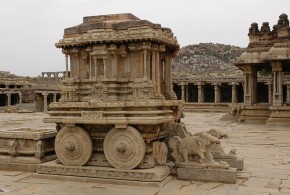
197, 145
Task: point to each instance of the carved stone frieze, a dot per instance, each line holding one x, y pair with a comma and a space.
157, 173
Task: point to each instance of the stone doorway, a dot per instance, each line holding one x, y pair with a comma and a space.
3, 100
192, 93
262, 93
240, 93
14, 99
208, 93
177, 90
226, 93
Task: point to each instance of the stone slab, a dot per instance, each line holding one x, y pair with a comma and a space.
28, 133
25, 160
102, 180
18, 167
156, 174
213, 175
234, 163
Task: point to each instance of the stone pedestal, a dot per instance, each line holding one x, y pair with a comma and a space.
213, 175
254, 114
279, 116
22, 149
234, 163
156, 174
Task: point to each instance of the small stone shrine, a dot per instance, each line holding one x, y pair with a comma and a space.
118, 116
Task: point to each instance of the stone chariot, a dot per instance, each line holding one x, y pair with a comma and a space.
117, 97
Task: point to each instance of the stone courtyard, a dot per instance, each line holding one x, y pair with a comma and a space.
266, 153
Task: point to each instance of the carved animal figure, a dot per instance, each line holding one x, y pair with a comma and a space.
197, 145
218, 133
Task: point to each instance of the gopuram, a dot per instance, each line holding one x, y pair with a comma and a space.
118, 117
268, 51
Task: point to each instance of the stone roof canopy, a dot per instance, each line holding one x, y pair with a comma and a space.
115, 28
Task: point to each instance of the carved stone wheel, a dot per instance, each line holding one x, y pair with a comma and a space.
124, 148
73, 146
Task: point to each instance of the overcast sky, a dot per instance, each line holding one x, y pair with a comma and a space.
30, 28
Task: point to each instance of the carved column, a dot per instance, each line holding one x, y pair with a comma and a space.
234, 92
250, 87
44, 101
217, 93
153, 67
168, 79
96, 67
90, 75
54, 97
277, 83
157, 73
270, 92
182, 91
288, 92
105, 67
20, 98
200, 87
9, 99
145, 64
66, 66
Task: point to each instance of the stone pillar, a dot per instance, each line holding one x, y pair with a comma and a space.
90, 75
217, 93
250, 85
45, 102
66, 64
182, 92
54, 97
153, 67
105, 67
145, 65
270, 92
9, 99
157, 73
200, 87
168, 79
277, 83
288, 92
20, 98
96, 68
234, 92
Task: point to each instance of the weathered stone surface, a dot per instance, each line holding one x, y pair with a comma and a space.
158, 173
27, 146
235, 163
214, 175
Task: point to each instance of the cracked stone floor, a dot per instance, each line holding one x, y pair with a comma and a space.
266, 153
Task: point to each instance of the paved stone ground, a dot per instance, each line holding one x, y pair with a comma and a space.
266, 151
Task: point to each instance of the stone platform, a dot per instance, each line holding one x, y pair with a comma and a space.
234, 163
156, 174
21, 149
213, 175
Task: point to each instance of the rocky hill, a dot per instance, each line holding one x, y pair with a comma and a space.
206, 59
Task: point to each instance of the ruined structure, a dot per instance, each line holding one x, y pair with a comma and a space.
268, 52
12, 90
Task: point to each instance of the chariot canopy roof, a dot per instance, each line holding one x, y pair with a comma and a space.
116, 28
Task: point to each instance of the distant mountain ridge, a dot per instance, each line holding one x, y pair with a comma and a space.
206, 59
